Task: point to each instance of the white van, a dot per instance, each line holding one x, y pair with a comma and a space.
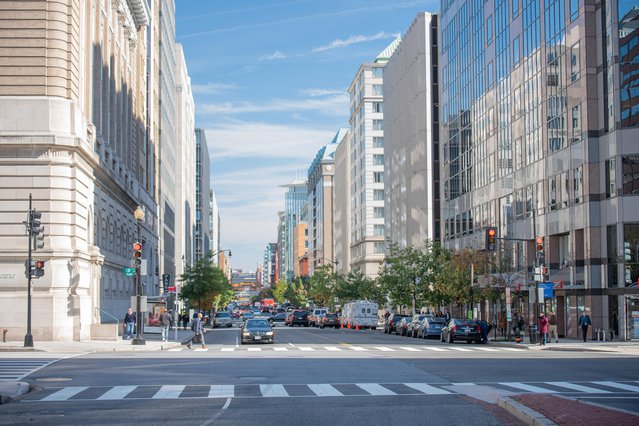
315, 315
361, 314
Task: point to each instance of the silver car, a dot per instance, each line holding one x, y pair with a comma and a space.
222, 319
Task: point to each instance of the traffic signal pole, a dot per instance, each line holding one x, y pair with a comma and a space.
28, 338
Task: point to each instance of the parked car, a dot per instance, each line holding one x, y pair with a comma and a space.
391, 322
460, 329
247, 315
277, 318
402, 326
414, 324
257, 330
329, 320
313, 316
431, 327
222, 319
298, 318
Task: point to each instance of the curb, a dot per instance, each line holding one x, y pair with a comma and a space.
12, 390
524, 413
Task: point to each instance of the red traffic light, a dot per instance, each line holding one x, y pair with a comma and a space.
137, 246
39, 264
539, 241
491, 232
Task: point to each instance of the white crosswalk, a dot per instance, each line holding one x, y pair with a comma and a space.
16, 369
278, 390
347, 348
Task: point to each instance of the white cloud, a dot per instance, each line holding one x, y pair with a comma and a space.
211, 88
323, 92
338, 43
335, 105
273, 56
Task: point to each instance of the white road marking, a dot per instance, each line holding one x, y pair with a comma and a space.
427, 389
384, 348
431, 348
358, 348
273, 391
324, 390
169, 391
619, 386
222, 391
407, 348
332, 348
65, 393
175, 349
375, 389
117, 392
306, 348
529, 388
228, 349
280, 349
200, 350
460, 349
487, 349
576, 387
254, 349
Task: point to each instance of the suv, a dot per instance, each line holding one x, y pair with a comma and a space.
391, 322
300, 318
222, 319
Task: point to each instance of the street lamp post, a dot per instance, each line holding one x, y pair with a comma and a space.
138, 214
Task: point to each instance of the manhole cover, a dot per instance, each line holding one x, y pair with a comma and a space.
54, 379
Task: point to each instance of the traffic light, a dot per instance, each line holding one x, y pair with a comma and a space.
36, 229
491, 239
539, 249
39, 268
626, 251
137, 254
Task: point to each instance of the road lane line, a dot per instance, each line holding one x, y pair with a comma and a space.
254, 349
529, 388
280, 349
324, 390
169, 392
270, 391
460, 349
619, 386
431, 348
222, 391
117, 392
407, 348
512, 349
358, 348
65, 393
375, 389
306, 348
427, 389
384, 348
228, 349
332, 348
487, 349
580, 388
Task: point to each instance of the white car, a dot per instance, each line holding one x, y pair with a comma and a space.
222, 319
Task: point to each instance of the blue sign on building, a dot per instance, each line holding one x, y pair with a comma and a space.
549, 289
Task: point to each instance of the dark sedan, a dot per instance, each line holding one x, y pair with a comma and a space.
257, 330
298, 318
461, 329
431, 327
391, 322
279, 317
329, 320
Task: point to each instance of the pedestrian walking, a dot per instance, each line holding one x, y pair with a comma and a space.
503, 323
185, 320
129, 324
447, 316
165, 323
198, 330
584, 323
484, 329
542, 327
552, 327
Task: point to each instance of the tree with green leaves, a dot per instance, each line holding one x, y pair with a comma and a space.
322, 285
203, 283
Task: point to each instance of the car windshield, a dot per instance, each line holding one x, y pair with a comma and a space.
257, 324
222, 315
436, 320
331, 315
300, 314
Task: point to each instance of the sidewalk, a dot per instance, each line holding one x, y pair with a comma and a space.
574, 345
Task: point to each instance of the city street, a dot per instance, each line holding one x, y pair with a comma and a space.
312, 376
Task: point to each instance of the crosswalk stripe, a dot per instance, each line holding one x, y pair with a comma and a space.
358, 348
254, 349
619, 386
576, 387
117, 392
175, 349
280, 349
222, 391
228, 349
65, 393
200, 350
529, 388
169, 391
431, 348
306, 348
460, 349
273, 391
427, 389
332, 348
324, 390
407, 348
488, 349
384, 348
375, 389
512, 349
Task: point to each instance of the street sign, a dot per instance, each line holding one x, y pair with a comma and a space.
165, 281
171, 289
129, 272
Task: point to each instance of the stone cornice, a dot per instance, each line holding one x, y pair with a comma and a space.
140, 11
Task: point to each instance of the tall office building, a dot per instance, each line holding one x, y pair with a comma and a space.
342, 207
214, 226
202, 237
320, 205
294, 201
73, 133
270, 257
280, 261
540, 119
411, 137
366, 150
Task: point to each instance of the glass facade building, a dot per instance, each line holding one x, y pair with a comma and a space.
294, 202
539, 129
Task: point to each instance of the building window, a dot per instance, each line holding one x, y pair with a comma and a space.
378, 212
489, 30
611, 179
516, 54
576, 123
378, 72
574, 9
379, 248
515, 8
552, 193
378, 230
378, 142
378, 90
578, 184
378, 124
575, 64
630, 170
378, 107
378, 159
378, 177
378, 195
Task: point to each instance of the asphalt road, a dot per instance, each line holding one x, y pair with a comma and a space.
390, 380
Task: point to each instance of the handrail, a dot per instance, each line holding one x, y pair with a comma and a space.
97, 308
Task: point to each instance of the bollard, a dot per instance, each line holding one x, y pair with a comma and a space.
4, 335
603, 335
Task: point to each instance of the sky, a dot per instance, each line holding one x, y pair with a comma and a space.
270, 81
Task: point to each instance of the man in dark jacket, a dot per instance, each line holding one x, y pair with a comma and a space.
129, 324
198, 330
584, 323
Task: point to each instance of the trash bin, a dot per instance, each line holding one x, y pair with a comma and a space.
532, 332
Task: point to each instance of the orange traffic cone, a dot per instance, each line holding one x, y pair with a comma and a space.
341, 324
356, 326
349, 325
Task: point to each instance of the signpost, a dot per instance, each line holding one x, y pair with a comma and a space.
129, 272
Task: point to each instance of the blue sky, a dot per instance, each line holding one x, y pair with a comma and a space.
270, 81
